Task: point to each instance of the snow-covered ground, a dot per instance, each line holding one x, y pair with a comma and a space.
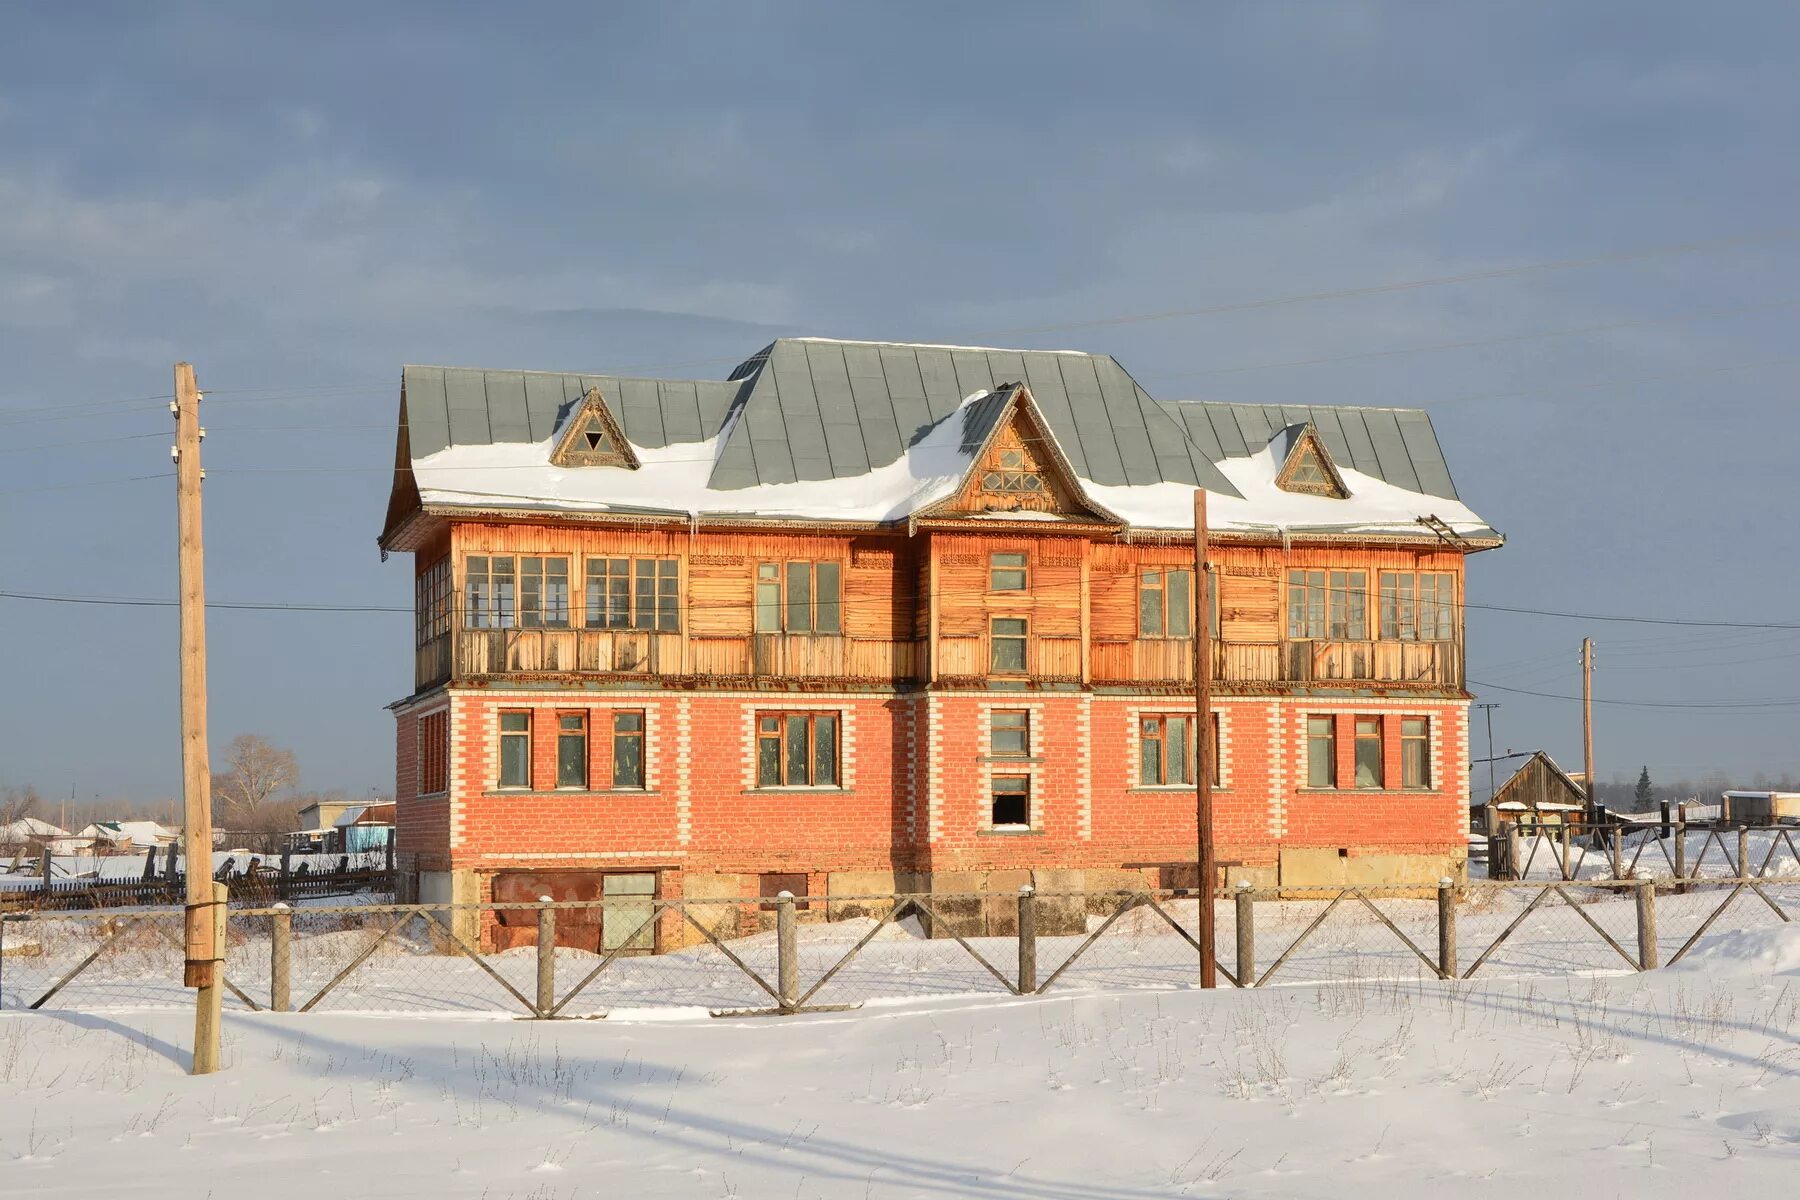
1649, 1085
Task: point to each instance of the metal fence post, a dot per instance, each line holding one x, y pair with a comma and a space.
1246, 935
787, 952
1027, 940
1646, 924
1446, 928
281, 957
546, 958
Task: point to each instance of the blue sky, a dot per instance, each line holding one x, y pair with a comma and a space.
300, 198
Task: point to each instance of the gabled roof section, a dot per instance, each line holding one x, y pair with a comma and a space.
591, 438
1306, 465
819, 409
1016, 466
1395, 445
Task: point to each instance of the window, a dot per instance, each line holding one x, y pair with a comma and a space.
1011, 473
1009, 733
515, 749
1166, 749
490, 584
431, 603
799, 597
1415, 752
1368, 752
1328, 604
1007, 639
773, 883
529, 592
543, 593
1321, 752
634, 593
434, 753
628, 750
1006, 573
1164, 604
1011, 802
1419, 607
571, 750
796, 749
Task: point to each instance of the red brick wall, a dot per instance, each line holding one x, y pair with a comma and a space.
421, 823
916, 770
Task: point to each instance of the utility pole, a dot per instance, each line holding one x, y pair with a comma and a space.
1489, 710
1587, 719
1203, 751
203, 918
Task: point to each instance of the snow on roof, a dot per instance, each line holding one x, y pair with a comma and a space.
674, 480
29, 827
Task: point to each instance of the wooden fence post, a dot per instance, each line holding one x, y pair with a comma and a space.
281, 957
1646, 923
1246, 935
1446, 928
546, 958
1681, 851
1027, 940
1743, 866
787, 951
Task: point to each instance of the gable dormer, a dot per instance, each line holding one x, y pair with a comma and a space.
592, 438
1018, 467
1308, 468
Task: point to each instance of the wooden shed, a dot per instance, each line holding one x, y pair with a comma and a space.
1539, 791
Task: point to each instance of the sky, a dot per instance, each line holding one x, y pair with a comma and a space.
299, 199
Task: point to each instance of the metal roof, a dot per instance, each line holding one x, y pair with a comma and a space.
813, 409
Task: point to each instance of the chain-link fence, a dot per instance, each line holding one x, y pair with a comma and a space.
782, 954
1578, 850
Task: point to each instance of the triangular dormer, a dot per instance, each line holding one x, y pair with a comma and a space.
592, 438
1017, 466
1308, 468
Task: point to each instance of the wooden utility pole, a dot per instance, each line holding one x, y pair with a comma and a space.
1203, 751
1587, 720
203, 931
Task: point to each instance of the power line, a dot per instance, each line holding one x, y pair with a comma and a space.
1711, 704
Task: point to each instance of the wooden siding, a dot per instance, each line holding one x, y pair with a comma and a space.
1080, 605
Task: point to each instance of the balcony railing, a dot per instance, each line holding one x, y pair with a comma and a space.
486, 653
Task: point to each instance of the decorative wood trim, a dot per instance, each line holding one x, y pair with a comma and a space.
1310, 444
592, 438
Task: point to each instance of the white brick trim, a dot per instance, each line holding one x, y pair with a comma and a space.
1278, 785
503, 857
684, 755
991, 766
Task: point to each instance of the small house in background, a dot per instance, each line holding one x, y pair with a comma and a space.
1759, 808
365, 827
28, 835
116, 837
1539, 791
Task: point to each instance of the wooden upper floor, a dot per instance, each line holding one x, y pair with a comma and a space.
952, 604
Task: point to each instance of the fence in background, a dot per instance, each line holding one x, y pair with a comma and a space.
717, 955
1651, 850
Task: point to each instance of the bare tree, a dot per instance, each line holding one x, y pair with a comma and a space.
17, 803
255, 771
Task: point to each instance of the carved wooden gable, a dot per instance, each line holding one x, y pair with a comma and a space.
1020, 470
592, 438
1309, 468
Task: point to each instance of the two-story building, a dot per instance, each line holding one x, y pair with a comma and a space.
867, 617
